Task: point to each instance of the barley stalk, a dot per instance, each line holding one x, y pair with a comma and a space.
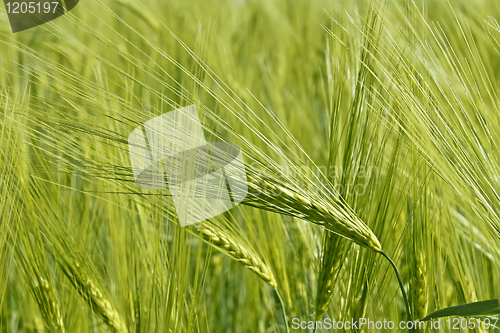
53, 311
420, 290
225, 243
92, 293
334, 216
344, 282
359, 308
332, 260
248, 258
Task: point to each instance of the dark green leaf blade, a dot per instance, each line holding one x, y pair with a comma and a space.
482, 308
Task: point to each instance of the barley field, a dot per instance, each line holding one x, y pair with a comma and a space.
370, 133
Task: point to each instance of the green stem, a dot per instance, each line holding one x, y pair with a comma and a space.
407, 303
283, 309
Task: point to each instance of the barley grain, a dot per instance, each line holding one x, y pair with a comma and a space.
54, 311
331, 263
224, 242
334, 216
92, 293
420, 296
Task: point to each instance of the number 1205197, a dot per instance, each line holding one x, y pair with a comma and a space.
471, 323
31, 7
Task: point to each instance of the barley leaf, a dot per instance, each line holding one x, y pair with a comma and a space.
483, 308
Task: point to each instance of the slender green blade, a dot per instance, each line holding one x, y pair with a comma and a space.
483, 308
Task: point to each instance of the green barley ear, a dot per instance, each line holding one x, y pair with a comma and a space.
336, 216
43, 292
228, 240
361, 302
348, 149
420, 293
335, 249
224, 242
81, 278
420, 211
